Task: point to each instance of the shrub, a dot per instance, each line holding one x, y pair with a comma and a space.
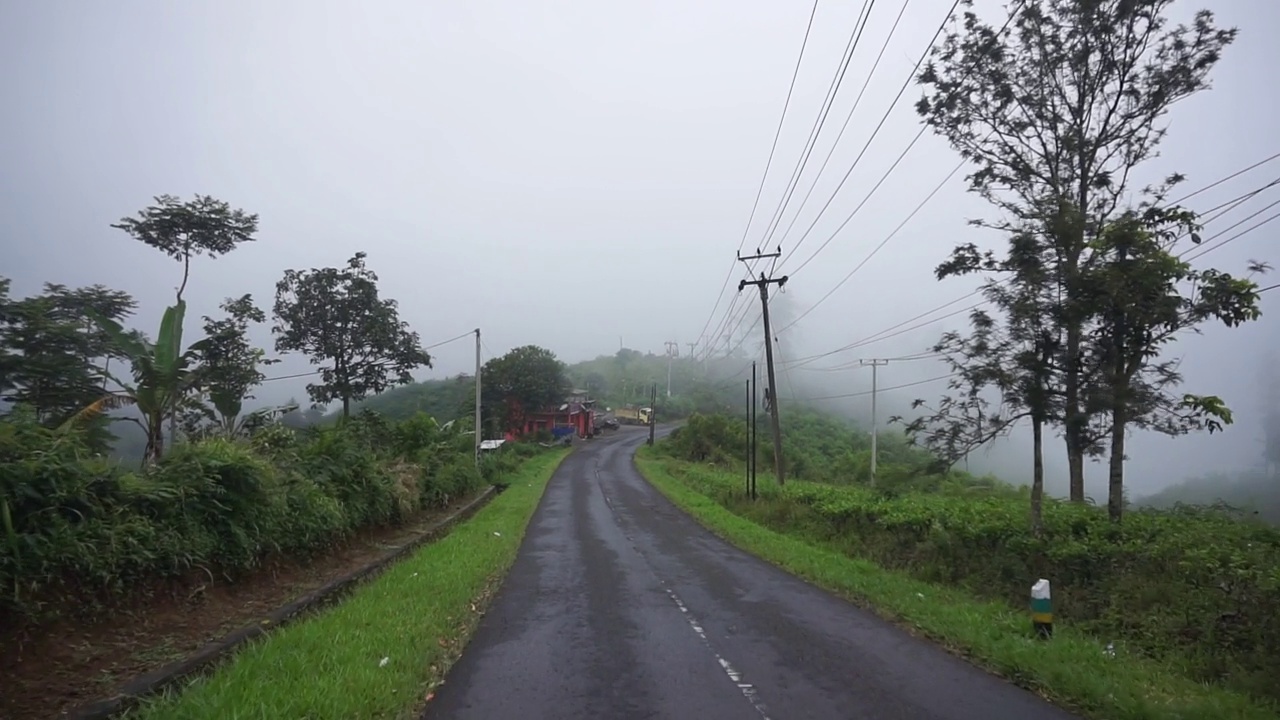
78, 528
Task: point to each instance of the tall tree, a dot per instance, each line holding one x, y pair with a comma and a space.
1010, 361
1056, 115
334, 316
527, 378
182, 229
1141, 297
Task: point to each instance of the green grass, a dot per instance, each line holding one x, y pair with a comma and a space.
417, 615
1072, 669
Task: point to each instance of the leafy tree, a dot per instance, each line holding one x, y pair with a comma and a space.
229, 367
525, 379
52, 354
181, 230
1136, 292
335, 316
1055, 115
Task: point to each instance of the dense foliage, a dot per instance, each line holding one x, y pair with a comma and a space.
1056, 116
336, 317
1198, 586
81, 529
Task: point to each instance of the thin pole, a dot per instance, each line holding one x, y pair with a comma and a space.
874, 428
478, 432
747, 465
754, 425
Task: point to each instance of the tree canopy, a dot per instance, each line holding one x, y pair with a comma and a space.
336, 318
526, 379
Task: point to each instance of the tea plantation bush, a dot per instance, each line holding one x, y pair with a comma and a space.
78, 529
1194, 585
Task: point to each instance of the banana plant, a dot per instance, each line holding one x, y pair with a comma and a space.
162, 375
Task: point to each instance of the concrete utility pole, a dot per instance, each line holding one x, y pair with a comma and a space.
673, 352
772, 388
874, 363
479, 435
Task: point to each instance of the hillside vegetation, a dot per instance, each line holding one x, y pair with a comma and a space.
219, 489
1196, 588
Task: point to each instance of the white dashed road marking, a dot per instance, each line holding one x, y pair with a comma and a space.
748, 690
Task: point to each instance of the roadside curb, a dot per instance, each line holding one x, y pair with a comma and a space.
156, 680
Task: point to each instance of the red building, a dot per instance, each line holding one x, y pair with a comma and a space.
576, 417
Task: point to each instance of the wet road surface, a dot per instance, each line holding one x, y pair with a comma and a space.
621, 606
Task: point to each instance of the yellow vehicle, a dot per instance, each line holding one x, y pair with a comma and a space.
632, 416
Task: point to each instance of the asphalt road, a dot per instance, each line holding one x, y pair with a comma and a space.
621, 606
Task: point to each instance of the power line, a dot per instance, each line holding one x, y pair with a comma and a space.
1204, 250
902, 155
877, 249
837, 80
847, 119
868, 392
1236, 174
876, 131
467, 334
877, 337
764, 176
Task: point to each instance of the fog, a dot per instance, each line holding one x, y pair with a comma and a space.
570, 174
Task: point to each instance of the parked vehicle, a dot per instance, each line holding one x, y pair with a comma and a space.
632, 416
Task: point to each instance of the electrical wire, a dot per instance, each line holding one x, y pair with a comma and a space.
1013, 14
765, 175
1228, 205
837, 81
876, 131
1233, 175
1204, 250
845, 126
877, 249
880, 390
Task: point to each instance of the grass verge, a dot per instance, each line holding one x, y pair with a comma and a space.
1073, 670
379, 653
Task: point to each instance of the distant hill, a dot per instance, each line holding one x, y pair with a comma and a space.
1252, 492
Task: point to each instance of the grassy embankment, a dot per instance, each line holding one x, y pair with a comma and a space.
1188, 600
380, 652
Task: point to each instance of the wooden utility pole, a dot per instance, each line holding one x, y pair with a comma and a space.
874, 363
479, 435
772, 388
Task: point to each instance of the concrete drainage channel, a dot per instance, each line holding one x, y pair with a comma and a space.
157, 680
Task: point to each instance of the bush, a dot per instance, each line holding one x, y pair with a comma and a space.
78, 528
1198, 586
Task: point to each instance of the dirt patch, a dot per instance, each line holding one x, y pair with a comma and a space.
55, 669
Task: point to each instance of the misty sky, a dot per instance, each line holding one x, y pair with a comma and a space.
565, 173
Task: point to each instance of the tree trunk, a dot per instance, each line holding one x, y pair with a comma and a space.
1037, 476
155, 441
1115, 470
346, 406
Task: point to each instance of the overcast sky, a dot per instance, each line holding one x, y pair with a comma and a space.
565, 173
